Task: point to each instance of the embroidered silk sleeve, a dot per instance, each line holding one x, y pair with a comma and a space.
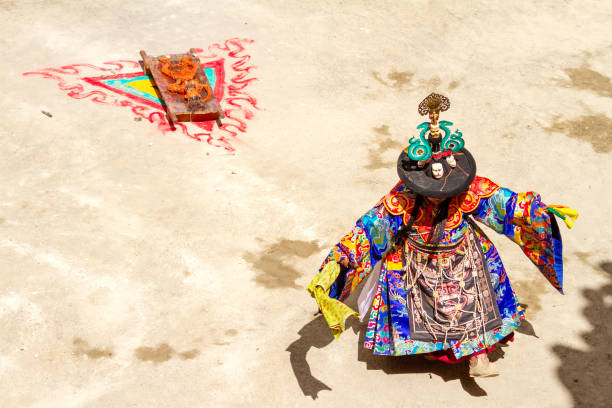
360, 249
334, 311
350, 261
523, 218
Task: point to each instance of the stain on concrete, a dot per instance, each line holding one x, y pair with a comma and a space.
189, 354
8, 4
431, 83
529, 293
1, 220
163, 353
396, 79
384, 142
158, 354
595, 129
227, 333
383, 130
586, 79
606, 267
82, 348
186, 272
401, 80
584, 256
273, 265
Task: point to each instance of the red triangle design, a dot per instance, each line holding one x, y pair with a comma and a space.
99, 81
229, 59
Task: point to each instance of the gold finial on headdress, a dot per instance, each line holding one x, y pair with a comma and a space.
434, 103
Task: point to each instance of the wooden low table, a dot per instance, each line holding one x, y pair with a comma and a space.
177, 108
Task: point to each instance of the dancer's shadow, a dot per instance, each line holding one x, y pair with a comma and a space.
314, 334
418, 364
585, 371
317, 334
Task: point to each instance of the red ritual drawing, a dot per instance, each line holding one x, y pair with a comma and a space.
123, 83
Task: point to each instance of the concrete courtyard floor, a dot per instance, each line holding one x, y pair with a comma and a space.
142, 268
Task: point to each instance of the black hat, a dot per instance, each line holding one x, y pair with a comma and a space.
437, 166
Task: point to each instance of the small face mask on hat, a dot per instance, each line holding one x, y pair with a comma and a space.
437, 170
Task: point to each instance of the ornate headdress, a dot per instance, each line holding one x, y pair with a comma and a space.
437, 166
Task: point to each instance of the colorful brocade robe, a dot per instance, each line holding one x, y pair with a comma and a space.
521, 217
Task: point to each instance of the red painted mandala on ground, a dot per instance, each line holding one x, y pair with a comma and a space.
123, 83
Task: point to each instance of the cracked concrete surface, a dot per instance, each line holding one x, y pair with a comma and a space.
141, 269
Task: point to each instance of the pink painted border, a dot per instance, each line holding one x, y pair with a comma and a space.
237, 102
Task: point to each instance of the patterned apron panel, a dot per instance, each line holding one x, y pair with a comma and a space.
448, 291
